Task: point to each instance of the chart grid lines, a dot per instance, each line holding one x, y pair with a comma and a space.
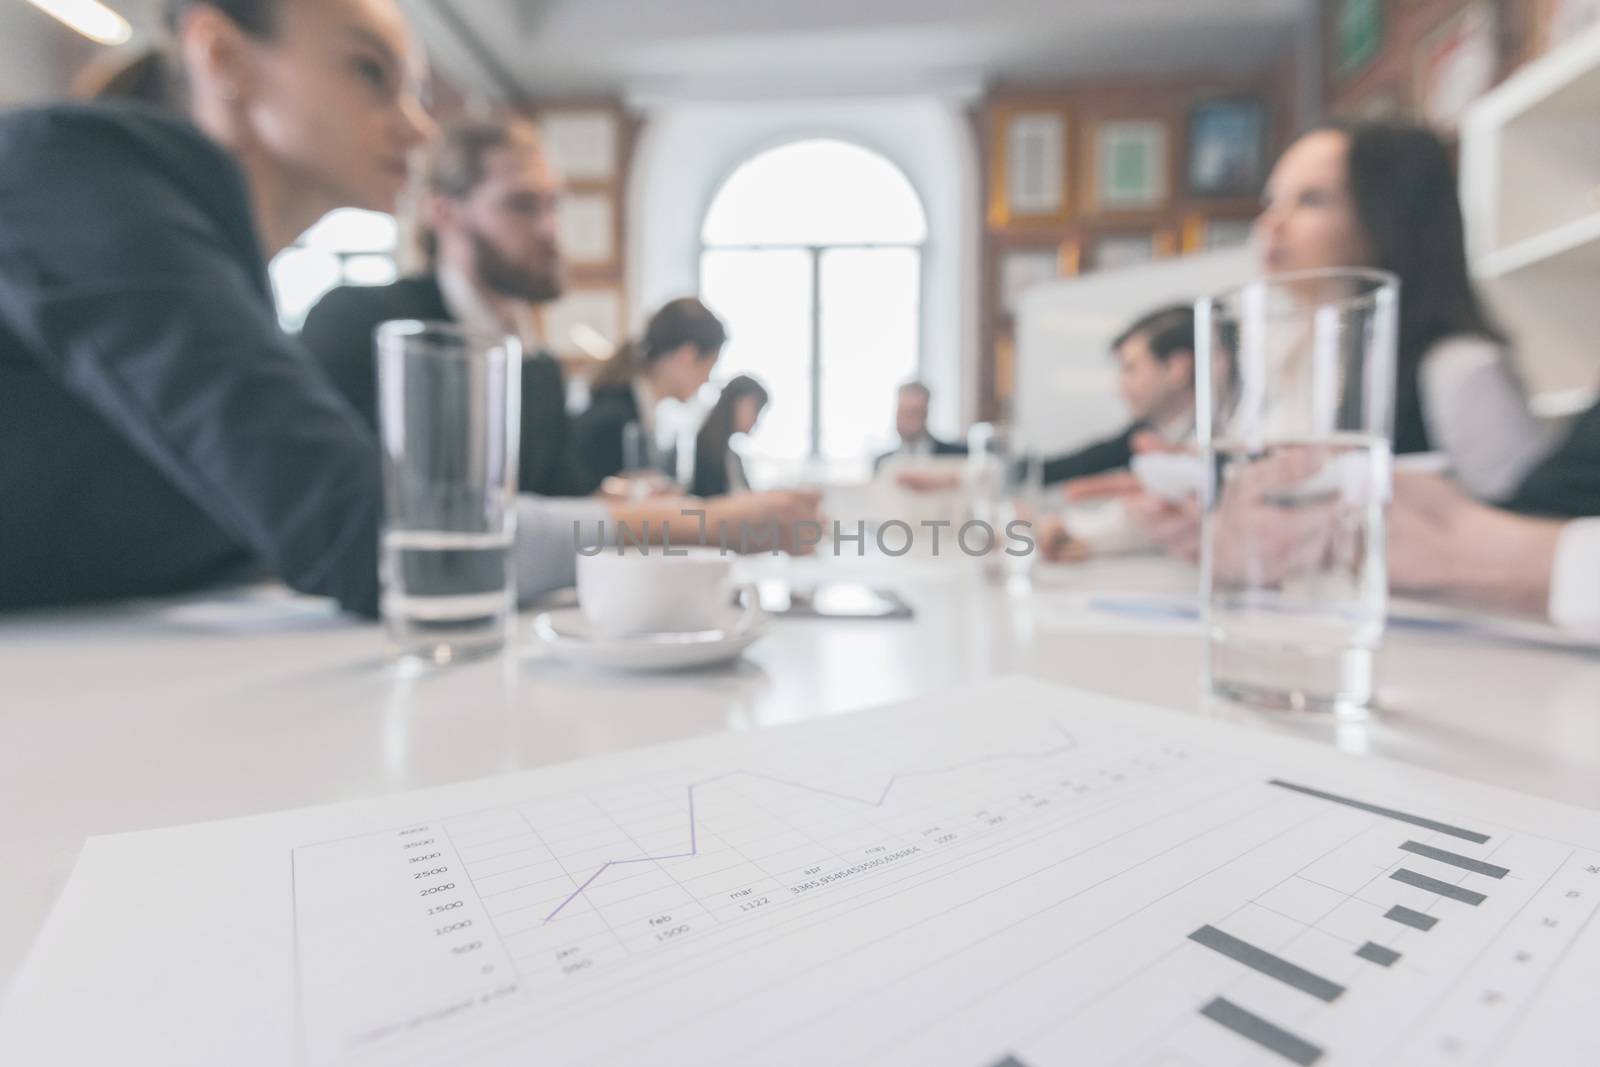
883, 796
1388, 813
1059, 896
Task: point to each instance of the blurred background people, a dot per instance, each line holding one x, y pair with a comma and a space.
911, 424
718, 469
1384, 195
1155, 375
488, 224
673, 359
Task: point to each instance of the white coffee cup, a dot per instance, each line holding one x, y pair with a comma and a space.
645, 591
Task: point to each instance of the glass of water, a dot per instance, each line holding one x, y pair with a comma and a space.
1005, 487
1295, 384
449, 411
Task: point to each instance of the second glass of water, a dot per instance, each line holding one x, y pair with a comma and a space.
449, 411
1295, 384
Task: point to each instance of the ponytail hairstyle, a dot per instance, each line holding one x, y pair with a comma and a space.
155, 76
684, 321
711, 443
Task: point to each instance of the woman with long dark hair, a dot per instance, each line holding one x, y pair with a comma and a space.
673, 359
1384, 195
718, 470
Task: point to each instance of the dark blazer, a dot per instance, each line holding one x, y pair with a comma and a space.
711, 472
1111, 454
597, 432
1567, 483
158, 431
339, 332
940, 448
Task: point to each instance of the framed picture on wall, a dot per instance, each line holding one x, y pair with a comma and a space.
1029, 166
1227, 147
1357, 35
1202, 233
1116, 250
1131, 165
587, 225
1456, 64
583, 142
1023, 268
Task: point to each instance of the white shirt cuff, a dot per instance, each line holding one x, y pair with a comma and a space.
550, 530
1575, 579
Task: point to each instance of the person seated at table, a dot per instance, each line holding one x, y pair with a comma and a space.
162, 432
912, 401
1155, 365
489, 233
1384, 195
674, 358
718, 470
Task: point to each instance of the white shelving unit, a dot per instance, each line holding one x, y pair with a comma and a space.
1530, 164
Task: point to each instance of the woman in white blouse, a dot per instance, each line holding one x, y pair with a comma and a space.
1384, 195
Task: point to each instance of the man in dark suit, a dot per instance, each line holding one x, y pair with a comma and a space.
911, 423
490, 234
1155, 365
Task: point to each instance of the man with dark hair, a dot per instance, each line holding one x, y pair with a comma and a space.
911, 423
489, 230
1155, 361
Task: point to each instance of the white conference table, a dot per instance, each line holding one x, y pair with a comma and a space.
168, 712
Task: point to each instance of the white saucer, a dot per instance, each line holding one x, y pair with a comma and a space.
568, 635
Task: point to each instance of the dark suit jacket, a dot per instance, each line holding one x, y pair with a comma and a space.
1111, 454
597, 432
1567, 483
339, 332
940, 448
158, 431
711, 472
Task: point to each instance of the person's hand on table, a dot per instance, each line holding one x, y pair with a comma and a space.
1174, 526
1444, 543
1055, 543
925, 481
638, 485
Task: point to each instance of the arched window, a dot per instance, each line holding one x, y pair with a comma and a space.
812, 254
348, 247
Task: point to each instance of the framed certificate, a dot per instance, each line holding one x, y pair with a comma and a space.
1029, 173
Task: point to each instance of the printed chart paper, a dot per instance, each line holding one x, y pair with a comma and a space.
1016, 873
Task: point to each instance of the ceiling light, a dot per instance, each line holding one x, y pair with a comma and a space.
91, 18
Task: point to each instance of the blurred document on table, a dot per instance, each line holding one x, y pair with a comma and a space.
1011, 873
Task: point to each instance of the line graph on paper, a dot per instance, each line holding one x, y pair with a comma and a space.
1016, 888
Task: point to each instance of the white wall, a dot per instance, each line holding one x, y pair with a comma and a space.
29, 54
687, 149
1066, 383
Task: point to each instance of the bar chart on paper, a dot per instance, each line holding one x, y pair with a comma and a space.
1030, 876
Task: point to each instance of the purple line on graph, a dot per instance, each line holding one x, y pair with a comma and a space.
694, 845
